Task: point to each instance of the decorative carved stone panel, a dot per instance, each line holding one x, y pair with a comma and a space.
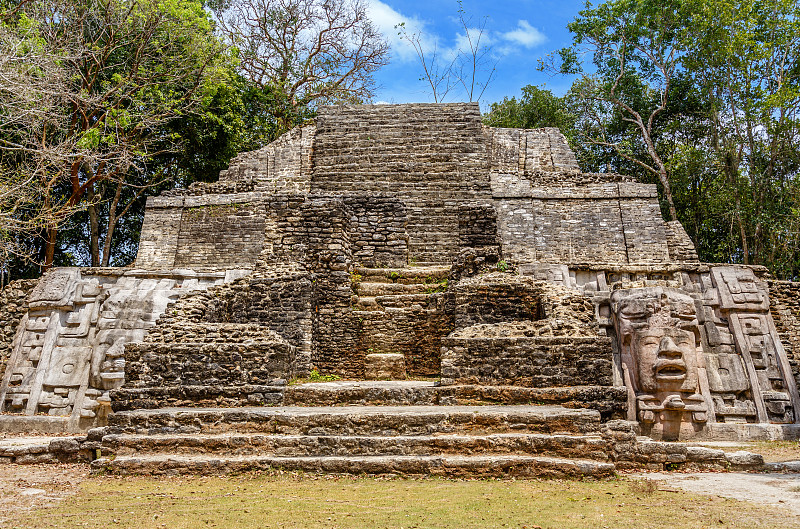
744, 303
69, 350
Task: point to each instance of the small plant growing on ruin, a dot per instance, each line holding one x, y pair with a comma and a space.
502, 266
316, 376
395, 276
438, 286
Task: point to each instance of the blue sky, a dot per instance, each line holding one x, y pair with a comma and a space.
519, 33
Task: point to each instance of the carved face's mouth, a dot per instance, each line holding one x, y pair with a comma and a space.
671, 370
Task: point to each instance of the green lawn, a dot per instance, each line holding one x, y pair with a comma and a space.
289, 500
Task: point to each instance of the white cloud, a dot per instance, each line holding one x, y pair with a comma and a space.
525, 35
462, 43
387, 19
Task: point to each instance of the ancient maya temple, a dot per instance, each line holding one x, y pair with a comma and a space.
433, 264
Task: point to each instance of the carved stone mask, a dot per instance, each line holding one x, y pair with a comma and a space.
666, 358
659, 335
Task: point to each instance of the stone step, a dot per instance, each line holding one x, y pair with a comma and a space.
366, 304
360, 420
376, 288
488, 466
417, 302
610, 401
582, 446
406, 276
404, 301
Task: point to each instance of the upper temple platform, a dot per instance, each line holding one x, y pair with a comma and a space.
418, 163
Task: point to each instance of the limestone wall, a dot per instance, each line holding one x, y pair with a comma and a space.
220, 236
681, 247
520, 151
219, 232
13, 307
527, 362
282, 167
785, 309
601, 223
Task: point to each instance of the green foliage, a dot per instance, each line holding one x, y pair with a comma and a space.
701, 98
315, 376
536, 108
435, 285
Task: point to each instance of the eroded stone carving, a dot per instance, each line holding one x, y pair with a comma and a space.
71, 344
659, 339
744, 302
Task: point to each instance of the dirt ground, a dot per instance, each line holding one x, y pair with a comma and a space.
773, 489
26, 487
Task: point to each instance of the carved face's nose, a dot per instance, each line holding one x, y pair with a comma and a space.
668, 348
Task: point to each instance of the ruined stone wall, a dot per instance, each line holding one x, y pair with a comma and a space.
681, 247
528, 362
525, 152
512, 330
233, 231
220, 347
379, 236
204, 232
263, 359
477, 226
303, 290
328, 230
13, 307
487, 301
220, 235
282, 167
161, 228
599, 223
433, 157
785, 309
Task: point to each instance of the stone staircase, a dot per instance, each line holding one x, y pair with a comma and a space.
400, 310
367, 148
531, 441
498, 441
380, 289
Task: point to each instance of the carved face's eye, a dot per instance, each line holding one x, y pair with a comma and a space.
650, 341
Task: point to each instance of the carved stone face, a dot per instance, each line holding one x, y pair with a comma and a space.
659, 339
666, 358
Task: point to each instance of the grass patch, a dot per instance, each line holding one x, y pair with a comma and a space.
310, 501
314, 376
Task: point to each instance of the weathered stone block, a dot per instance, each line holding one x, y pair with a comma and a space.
385, 366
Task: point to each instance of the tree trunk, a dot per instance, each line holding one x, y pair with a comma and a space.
112, 223
94, 229
662, 175
50, 248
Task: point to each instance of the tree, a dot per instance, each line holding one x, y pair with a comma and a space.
437, 71
304, 53
636, 48
127, 69
704, 97
470, 65
537, 108
745, 59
